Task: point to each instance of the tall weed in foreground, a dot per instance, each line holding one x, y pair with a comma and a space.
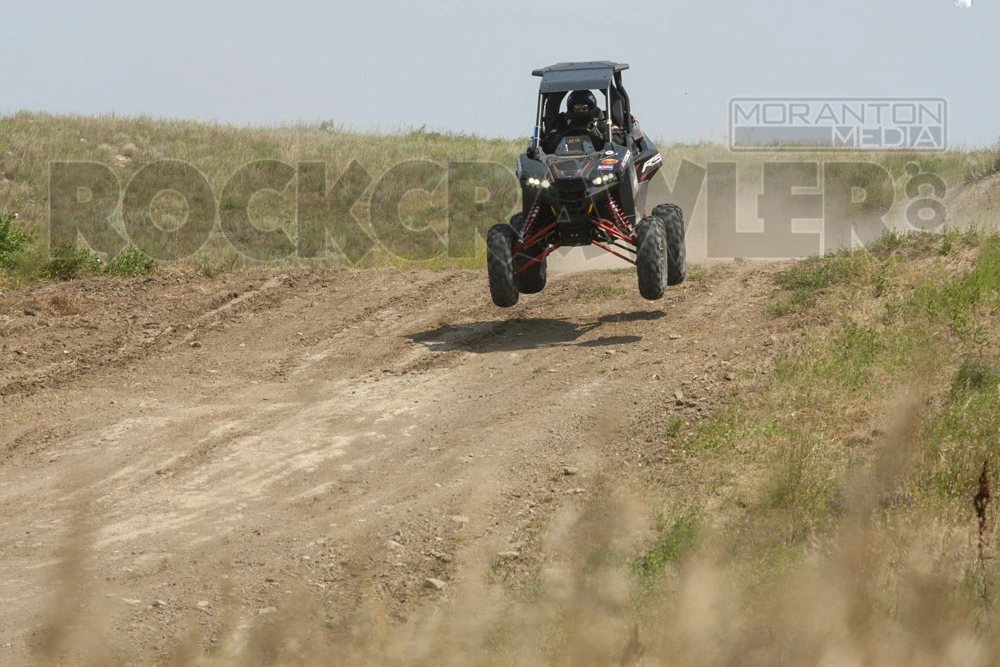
14, 240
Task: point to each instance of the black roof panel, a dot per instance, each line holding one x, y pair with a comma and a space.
576, 76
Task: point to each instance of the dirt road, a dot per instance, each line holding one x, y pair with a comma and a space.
181, 456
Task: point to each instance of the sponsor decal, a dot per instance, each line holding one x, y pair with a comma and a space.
652, 162
625, 159
605, 167
609, 160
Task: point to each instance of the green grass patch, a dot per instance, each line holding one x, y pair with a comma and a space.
861, 357
955, 442
975, 374
963, 303
131, 262
15, 240
729, 429
68, 262
805, 281
674, 427
608, 292
677, 537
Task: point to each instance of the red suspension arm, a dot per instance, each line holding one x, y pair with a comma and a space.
534, 260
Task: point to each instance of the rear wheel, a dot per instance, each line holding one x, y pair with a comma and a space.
500, 240
651, 257
673, 225
532, 279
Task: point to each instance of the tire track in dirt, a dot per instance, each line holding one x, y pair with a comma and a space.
115, 341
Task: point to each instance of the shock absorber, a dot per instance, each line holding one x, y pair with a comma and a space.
619, 218
528, 229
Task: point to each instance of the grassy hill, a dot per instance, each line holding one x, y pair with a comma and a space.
380, 216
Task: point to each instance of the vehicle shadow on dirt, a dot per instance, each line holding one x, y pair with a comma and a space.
527, 333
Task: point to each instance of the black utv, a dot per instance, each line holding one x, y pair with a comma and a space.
584, 179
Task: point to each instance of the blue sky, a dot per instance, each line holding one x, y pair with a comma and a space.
462, 67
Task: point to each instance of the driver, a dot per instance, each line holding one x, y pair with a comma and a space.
581, 114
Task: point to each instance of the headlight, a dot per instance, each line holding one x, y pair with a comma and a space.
537, 182
604, 178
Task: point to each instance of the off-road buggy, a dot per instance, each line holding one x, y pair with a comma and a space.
586, 186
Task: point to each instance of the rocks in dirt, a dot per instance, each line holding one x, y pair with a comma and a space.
434, 584
393, 545
674, 336
202, 604
679, 397
196, 343
460, 520
440, 555
569, 472
508, 555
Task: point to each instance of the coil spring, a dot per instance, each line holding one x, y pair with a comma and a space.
528, 229
619, 217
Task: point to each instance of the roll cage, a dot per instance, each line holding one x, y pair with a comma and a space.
560, 79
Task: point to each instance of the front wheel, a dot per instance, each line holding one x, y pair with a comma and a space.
673, 226
500, 240
651, 257
532, 279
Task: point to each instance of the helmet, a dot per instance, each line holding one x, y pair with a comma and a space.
581, 105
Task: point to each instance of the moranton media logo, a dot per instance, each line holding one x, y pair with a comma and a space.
768, 123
